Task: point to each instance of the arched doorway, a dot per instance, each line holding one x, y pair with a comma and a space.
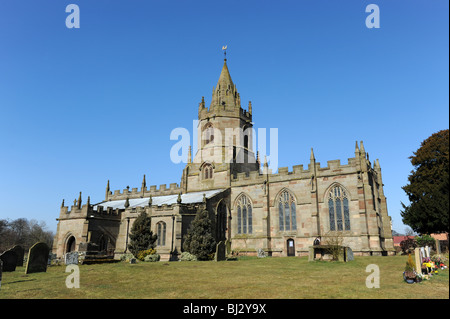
290, 247
71, 243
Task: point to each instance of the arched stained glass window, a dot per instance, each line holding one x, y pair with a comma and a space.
244, 215
287, 211
338, 209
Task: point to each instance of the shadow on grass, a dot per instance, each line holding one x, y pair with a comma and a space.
14, 282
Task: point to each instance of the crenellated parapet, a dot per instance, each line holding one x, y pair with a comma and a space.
153, 190
355, 165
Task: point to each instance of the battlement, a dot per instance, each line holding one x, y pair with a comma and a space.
334, 167
173, 189
217, 110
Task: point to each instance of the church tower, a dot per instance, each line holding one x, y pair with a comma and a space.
224, 139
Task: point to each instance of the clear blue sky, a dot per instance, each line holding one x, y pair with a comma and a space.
81, 106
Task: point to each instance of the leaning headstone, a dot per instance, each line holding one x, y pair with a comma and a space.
19, 252
37, 258
220, 252
261, 253
9, 259
71, 258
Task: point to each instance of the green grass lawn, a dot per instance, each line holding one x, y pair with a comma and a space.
247, 278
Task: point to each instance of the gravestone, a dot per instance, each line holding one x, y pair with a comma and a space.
71, 258
9, 259
261, 253
349, 254
20, 253
311, 253
422, 250
438, 247
220, 252
228, 246
132, 260
37, 258
428, 251
418, 260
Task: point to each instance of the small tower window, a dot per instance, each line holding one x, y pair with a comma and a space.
207, 171
208, 133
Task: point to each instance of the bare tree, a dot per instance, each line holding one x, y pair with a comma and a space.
23, 232
332, 242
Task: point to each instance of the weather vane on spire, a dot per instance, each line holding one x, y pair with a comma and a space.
224, 49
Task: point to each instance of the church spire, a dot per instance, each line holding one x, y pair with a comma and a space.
225, 94
225, 77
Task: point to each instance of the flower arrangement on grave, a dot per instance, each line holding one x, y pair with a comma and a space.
410, 275
439, 261
427, 265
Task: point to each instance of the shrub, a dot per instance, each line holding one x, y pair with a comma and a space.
144, 253
126, 257
152, 257
141, 236
186, 256
199, 239
409, 268
426, 240
408, 245
410, 265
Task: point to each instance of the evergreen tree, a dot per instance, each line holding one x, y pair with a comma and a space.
141, 236
199, 239
428, 188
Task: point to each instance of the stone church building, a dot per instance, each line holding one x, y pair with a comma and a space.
249, 207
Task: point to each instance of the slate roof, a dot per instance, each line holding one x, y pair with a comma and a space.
188, 198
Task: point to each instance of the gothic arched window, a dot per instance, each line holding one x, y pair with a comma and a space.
338, 209
244, 215
286, 211
207, 171
161, 232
